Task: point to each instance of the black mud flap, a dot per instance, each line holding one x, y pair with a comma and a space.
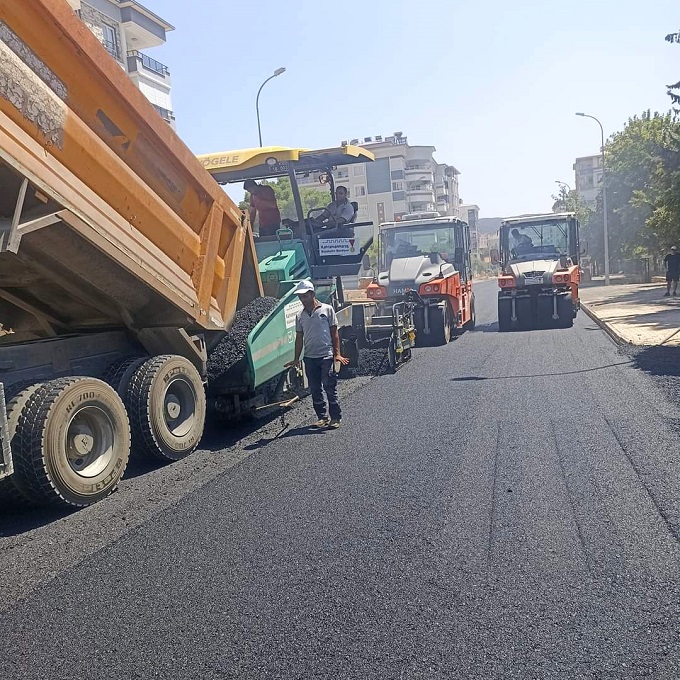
6, 467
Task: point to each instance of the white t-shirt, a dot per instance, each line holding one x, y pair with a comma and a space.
342, 210
316, 331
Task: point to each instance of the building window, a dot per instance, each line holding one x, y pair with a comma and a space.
378, 176
359, 191
397, 174
110, 40
167, 115
342, 173
358, 170
397, 186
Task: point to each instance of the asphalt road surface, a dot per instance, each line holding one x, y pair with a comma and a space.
507, 506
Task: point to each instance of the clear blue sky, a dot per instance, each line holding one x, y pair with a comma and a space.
493, 85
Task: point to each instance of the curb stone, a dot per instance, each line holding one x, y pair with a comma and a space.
614, 335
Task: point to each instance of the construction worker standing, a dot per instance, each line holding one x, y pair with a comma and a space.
263, 205
317, 333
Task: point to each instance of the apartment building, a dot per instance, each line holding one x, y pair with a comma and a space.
127, 28
588, 174
403, 179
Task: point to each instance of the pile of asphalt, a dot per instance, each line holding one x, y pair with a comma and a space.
372, 362
232, 347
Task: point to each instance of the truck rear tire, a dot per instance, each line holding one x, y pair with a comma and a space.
472, 322
440, 327
419, 323
119, 373
504, 315
565, 311
524, 310
71, 442
10, 493
167, 405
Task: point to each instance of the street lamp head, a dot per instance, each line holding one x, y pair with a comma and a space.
580, 114
278, 72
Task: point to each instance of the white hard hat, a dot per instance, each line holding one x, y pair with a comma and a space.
304, 287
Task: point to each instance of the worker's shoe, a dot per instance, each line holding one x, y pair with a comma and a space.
334, 424
666, 294
321, 423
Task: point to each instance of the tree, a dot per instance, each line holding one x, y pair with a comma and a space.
643, 182
565, 200
569, 201
673, 89
311, 198
643, 190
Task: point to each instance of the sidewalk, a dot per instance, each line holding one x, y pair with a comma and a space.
634, 313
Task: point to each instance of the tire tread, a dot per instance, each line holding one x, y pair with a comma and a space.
31, 473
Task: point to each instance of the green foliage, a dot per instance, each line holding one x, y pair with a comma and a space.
565, 200
643, 190
643, 186
673, 89
568, 201
372, 253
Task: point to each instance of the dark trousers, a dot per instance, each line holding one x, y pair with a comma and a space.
321, 377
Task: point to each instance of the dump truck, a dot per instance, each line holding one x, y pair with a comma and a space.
424, 260
540, 273
122, 266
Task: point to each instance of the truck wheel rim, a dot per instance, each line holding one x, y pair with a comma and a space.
89, 441
179, 407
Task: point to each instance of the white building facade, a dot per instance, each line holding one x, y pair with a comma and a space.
402, 179
588, 174
126, 28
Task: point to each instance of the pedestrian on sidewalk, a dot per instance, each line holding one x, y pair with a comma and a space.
672, 264
317, 334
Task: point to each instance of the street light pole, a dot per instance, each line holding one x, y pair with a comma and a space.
278, 72
604, 202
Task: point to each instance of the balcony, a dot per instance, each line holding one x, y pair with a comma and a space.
136, 60
166, 115
418, 176
423, 170
113, 49
143, 28
422, 207
421, 195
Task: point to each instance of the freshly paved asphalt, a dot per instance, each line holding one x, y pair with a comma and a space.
507, 506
